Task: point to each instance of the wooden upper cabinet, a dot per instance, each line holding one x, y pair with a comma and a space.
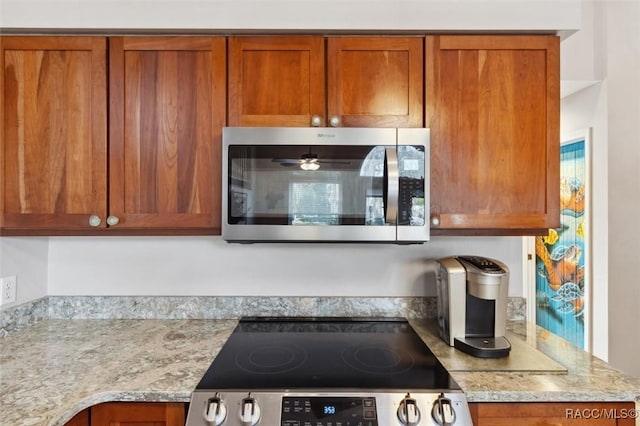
138, 413
371, 81
53, 117
167, 110
276, 80
167, 100
492, 105
375, 81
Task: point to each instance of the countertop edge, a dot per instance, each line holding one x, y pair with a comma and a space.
551, 396
119, 396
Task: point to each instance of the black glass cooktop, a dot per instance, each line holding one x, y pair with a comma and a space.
321, 353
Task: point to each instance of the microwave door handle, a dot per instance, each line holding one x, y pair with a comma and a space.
391, 185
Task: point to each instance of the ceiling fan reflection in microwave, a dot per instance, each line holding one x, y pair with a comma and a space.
308, 161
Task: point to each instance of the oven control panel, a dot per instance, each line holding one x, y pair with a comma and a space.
314, 408
328, 411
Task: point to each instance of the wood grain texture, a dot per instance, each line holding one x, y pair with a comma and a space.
276, 80
553, 414
54, 131
493, 109
138, 413
167, 106
80, 419
376, 81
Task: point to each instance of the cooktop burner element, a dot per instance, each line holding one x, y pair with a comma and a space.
377, 359
272, 359
326, 372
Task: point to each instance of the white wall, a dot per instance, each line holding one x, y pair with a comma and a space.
26, 258
622, 61
578, 52
392, 15
210, 266
580, 64
612, 109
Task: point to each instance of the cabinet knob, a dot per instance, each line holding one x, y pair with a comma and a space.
113, 220
435, 220
94, 220
316, 121
334, 121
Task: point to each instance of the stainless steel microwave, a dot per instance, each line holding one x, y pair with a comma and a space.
325, 184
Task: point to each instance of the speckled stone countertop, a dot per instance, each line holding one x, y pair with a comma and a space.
587, 378
54, 369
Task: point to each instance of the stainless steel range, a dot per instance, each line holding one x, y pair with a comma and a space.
326, 372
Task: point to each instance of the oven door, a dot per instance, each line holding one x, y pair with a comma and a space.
310, 184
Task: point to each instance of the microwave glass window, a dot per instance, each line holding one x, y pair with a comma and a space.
239, 202
321, 185
373, 164
314, 203
375, 211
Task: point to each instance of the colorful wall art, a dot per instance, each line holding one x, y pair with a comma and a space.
561, 291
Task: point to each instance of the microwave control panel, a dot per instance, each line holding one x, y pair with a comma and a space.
411, 202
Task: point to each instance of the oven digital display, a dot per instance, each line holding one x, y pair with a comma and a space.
325, 411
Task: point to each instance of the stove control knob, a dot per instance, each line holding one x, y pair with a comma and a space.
215, 411
249, 411
442, 411
408, 412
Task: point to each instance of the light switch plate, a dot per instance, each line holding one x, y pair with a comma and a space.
8, 289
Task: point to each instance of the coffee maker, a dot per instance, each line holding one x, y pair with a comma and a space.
472, 305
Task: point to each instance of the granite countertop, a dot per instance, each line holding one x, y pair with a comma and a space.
54, 369
583, 377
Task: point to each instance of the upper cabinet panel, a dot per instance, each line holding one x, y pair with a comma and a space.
280, 81
167, 110
54, 117
276, 81
493, 109
375, 81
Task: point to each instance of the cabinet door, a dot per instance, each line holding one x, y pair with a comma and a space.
553, 414
167, 110
375, 81
493, 109
276, 81
80, 419
138, 413
53, 117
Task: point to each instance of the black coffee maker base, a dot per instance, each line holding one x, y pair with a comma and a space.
483, 347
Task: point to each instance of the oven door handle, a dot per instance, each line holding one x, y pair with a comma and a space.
391, 185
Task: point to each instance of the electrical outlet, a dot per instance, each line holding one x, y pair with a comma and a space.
8, 289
